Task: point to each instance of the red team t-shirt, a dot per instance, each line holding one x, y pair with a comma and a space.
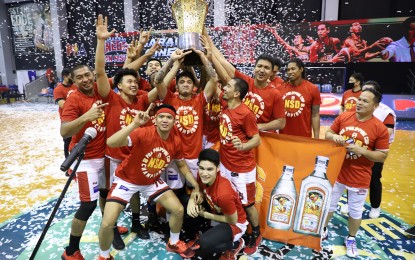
149, 156
298, 101
75, 106
189, 122
120, 114
372, 134
62, 92
224, 199
238, 122
349, 100
211, 120
277, 81
265, 103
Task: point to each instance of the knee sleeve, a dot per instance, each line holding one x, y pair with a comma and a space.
85, 210
103, 193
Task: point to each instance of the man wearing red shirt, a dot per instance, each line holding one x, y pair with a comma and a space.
85, 108
386, 115
152, 149
350, 96
60, 94
189, 117
275, 79
301, 101
225, 208
263, 98
367, 141
238, 136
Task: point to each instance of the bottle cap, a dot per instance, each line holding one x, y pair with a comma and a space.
322, 160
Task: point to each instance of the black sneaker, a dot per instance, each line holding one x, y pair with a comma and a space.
152, 223
117, 243
410, 231
141, 231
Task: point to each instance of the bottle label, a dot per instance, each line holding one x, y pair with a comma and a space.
313, 209
281, 208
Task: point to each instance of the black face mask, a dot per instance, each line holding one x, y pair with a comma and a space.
70, 82
350, 85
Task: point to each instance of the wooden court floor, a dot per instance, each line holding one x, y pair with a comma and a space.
31, 153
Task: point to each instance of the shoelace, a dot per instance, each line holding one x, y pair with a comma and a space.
351, 244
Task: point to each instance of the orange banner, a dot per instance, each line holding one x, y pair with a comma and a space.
295, 176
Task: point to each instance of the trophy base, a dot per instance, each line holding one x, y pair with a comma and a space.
187, 42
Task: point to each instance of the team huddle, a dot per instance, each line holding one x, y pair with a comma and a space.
186, 143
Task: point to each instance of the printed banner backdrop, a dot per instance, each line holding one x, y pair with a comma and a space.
403, 105
242, 44
31, 27
273, 154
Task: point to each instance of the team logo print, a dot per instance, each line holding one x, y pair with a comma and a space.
155, 162
255, 103
127, 116
225, 129
294, 103
69, 93
187, 120
350, 103
359, 137
99, 124
212, 110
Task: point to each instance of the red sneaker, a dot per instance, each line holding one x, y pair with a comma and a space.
108, 258
253, 244
233, 253
122, 230
193, 244
75, 256
180, 248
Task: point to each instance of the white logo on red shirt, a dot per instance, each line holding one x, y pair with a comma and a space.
127, 116
294, 103
225, 129
350, 103
357, 134
187, 120
255, 103
155, 162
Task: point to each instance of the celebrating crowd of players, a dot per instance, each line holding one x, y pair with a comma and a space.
155, 138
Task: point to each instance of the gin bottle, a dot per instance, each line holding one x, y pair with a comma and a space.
313, 204
282, 201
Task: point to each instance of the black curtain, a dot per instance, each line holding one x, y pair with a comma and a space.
358, 9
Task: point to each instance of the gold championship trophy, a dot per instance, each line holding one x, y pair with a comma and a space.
190, 19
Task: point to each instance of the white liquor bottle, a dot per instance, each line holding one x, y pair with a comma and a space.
313, 204
282, 201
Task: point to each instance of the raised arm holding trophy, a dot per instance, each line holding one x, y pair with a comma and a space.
190, 18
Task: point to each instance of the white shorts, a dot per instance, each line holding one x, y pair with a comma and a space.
172, 175
122, 191
244, 184
243, 228
356, 199
89, 176
111, 165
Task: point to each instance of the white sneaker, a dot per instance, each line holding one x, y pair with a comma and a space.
344, 209
374, 212
351, 247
